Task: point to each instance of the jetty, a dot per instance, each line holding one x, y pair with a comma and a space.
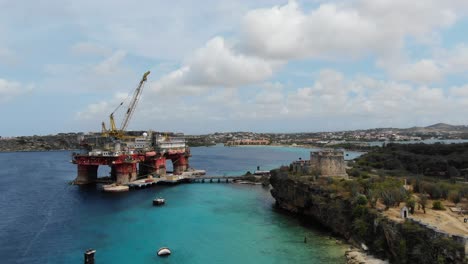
219, 179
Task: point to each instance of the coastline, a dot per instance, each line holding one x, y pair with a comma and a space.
368, 230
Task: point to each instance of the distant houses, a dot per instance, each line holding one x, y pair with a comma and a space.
247, 142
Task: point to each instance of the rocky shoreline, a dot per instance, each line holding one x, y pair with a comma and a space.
399, 242
356, 256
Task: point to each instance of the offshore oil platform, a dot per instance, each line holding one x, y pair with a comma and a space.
133, 158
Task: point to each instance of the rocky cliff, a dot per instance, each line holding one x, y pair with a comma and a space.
405, 242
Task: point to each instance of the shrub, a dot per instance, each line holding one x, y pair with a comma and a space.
361, 200
464, 192
454, 196
353, 172
360, 227
437, 205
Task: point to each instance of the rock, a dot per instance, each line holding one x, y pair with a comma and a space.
363, 246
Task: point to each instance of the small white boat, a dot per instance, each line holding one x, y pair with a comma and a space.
159, 201
164, 251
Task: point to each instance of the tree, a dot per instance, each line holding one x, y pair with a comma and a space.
453, 172
423, 201
411, 203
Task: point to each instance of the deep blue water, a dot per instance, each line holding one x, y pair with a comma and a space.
45, 220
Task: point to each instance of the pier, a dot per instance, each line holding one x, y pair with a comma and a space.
218, 179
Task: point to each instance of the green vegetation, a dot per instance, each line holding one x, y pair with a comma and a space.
439, 161
437, 205
432, 170
349, 208
352, 146
199, 142
411, 204
454, 196
423, 201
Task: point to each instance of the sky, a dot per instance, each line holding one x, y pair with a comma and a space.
217, 66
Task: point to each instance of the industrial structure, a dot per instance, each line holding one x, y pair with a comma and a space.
130, 157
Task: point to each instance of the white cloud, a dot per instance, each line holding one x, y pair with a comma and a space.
12, 89
216, 64
423, 71
335, 30
454, 60
157, 29
395, 103
332, 102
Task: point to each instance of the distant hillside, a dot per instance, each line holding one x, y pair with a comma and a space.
439, 127
61, 141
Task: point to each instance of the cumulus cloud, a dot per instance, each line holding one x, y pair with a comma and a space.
338, 30
204, 87
423, 71
215, 64
333, 96
12, 89
271, 37
454, 60
429, 70
332, 100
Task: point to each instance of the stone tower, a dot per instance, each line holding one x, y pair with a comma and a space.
329, 162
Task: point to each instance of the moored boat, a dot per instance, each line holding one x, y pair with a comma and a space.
159, 201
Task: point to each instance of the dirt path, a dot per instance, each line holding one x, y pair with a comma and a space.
446, 220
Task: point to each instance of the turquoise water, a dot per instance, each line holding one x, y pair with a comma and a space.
44, 220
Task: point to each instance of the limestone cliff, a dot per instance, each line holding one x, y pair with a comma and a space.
399, 242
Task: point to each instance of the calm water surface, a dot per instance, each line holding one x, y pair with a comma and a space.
45, 220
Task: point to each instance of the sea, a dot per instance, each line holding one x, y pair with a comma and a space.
44, 219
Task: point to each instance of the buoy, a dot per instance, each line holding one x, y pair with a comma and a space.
164, 251
89, 256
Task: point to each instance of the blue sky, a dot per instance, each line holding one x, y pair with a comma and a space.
264, 66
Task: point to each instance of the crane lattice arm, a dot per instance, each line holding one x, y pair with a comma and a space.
133, 102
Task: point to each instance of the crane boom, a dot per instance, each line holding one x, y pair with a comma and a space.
133, 102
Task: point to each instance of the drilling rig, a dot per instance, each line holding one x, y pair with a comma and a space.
130, 157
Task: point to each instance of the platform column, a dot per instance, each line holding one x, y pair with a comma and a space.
124, 173
160, 166
86, 174
180, 164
